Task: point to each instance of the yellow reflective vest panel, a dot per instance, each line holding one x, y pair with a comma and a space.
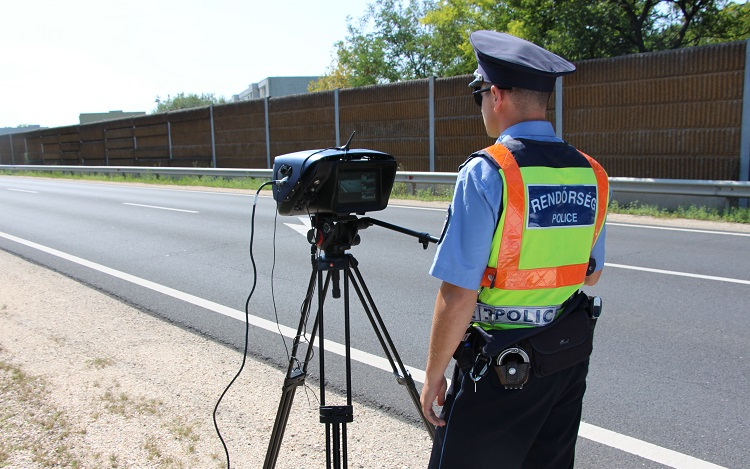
554, 206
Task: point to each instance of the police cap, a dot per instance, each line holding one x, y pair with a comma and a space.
506, 60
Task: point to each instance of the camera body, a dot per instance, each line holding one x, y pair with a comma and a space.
334, 181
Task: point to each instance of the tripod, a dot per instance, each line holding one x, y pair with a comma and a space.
334, 235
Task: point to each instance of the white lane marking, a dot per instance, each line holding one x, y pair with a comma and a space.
160, 208
669, 228
646, 450
412, 207
303, 228
606, 437
21, 190
679, 274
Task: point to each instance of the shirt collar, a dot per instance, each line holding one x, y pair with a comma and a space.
532, 130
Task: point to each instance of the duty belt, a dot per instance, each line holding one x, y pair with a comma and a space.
516, 315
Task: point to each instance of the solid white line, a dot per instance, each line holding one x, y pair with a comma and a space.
679, 274
303, 228
412, 207
669, 228
646, 450
606, 437
21, 190
160, 208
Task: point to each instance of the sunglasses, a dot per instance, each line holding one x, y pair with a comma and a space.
477, 93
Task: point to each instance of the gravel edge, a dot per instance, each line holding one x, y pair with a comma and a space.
88, 382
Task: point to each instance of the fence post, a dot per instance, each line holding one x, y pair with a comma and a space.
745, 124
558, 107
106, 152
169, 137
268, 134
12, 156
135, 142
25, 151
336, 116
432, 124
213, 138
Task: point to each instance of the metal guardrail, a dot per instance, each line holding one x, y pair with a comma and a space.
695, 187
141, 170
692, 187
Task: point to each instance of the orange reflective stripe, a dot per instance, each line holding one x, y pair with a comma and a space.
510, 243
602, 182
507, 275
531, 279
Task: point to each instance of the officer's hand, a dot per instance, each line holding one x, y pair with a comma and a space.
433, 390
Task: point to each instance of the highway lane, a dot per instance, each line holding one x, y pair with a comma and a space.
671, 354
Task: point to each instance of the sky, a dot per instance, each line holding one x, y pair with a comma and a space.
62, 58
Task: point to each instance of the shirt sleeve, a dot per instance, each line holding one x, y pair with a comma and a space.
597, 252
465, 245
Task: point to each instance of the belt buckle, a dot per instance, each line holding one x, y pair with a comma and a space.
513, 367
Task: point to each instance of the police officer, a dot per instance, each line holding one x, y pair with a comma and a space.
524, 232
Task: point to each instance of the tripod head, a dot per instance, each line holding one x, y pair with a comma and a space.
335, 234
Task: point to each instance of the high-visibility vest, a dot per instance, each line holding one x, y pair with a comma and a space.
553, 208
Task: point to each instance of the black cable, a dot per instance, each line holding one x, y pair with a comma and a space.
273, 294
247, 323
305, 307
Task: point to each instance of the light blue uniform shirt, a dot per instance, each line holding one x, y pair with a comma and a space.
465, 246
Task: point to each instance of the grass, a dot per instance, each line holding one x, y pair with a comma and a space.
203, 181
128, 407
731, 215
438, 193
404, 191
30, 425
100, 363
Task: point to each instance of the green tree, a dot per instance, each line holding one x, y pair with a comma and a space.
574, 30
185, 101
727, 21
387, 44
453, 20
407, 39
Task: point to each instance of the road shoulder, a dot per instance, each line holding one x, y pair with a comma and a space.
84, 377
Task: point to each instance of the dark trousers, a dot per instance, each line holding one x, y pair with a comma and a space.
496, 428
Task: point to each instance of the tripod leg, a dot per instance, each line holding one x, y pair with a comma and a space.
403, 376
335, 418
295, 376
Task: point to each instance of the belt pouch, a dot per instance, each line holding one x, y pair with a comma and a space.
562, 344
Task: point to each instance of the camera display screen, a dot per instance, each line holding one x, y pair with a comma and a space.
357, 186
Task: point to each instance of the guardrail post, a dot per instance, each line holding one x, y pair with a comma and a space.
213, 138
268, 134
336, 118
745, 131
432, 124
559, 107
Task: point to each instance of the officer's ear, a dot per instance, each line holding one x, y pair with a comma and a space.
499, 97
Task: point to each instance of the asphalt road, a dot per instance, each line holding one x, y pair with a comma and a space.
668, 379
